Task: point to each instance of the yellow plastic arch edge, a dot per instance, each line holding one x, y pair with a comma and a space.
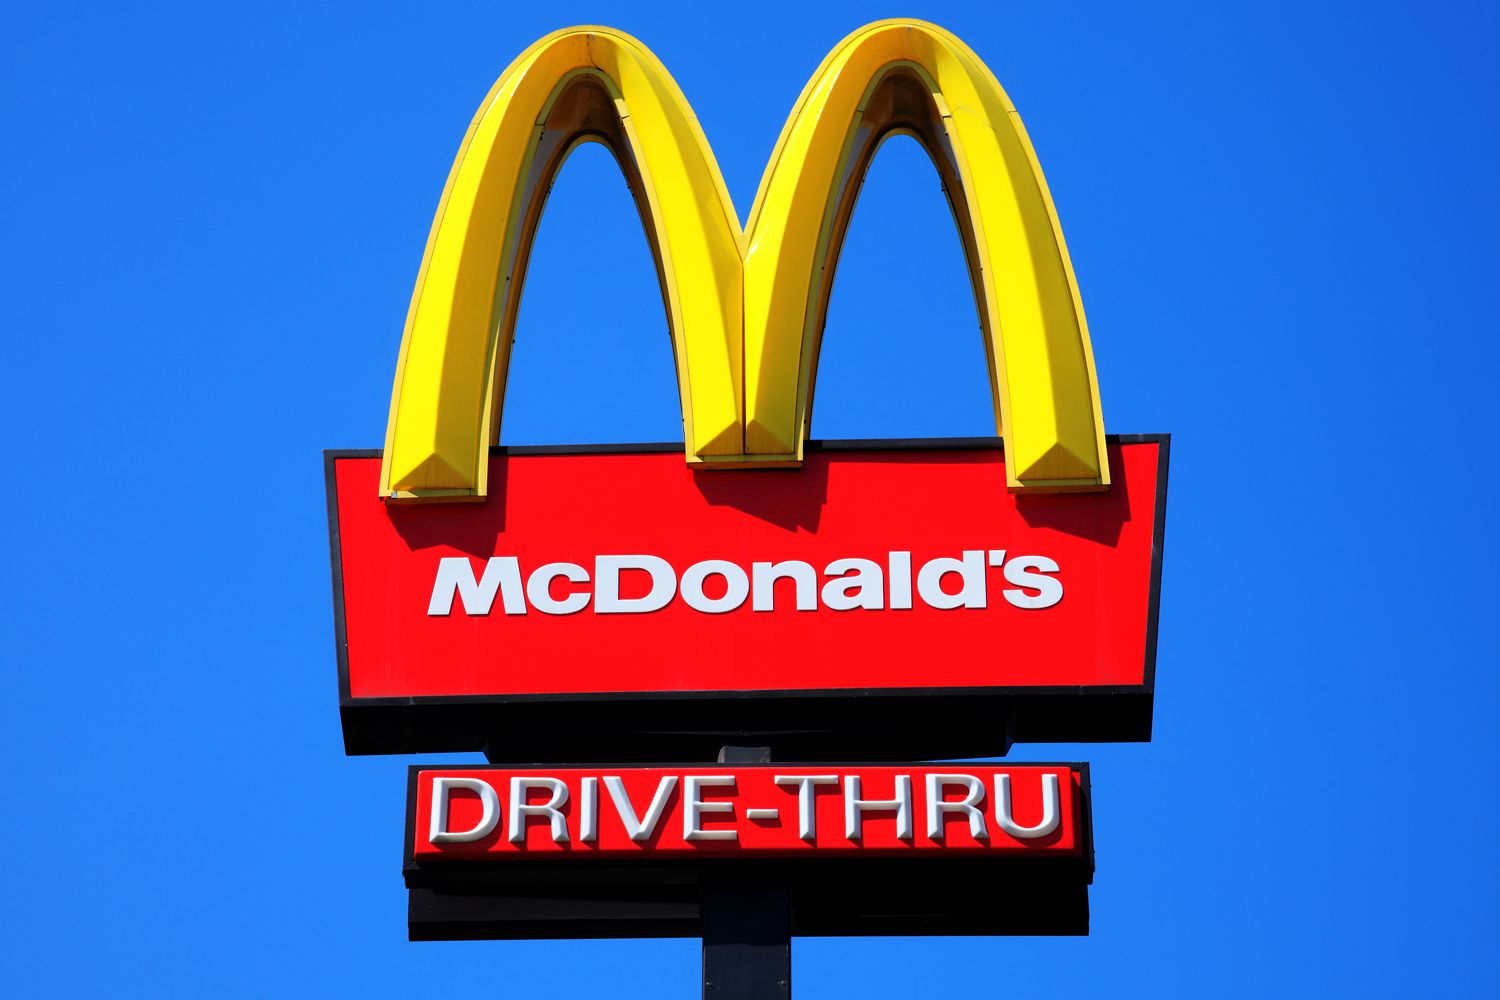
745, 308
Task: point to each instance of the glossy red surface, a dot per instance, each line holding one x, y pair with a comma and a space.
754, 788
857, 503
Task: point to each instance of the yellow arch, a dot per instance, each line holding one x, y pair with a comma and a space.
581, 84
906, 76
746, 309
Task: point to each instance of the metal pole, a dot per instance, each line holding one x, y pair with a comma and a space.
747, 924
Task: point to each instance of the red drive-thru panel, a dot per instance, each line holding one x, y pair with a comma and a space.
870, 570
745, 811
912, 848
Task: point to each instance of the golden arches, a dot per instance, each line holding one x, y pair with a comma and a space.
571, 86
746, 308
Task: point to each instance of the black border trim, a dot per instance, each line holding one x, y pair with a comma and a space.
859, 724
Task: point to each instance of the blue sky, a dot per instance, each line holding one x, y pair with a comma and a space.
1283, 219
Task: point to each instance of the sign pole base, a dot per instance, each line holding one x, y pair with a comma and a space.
747, 941
747, 925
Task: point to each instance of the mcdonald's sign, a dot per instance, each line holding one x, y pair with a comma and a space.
943, 597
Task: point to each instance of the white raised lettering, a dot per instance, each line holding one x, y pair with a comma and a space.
640, 830
521, 811
900, 579
693, 806
442, 788
1051, 802
766, 574
857, 583
1027, 571
938, 808
847, 584
737, 586
807, 813
455, 575
588, 809
855, 807
970, 570
607, 599
539, 588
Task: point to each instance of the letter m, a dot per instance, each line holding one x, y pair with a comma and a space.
455, 575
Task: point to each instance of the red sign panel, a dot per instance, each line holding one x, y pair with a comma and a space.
901, 569
749, 811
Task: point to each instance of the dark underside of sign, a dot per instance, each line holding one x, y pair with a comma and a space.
823, 897
915, 724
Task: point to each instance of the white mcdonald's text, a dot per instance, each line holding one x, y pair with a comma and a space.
716, 586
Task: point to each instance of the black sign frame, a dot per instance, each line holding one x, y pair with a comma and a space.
855, 724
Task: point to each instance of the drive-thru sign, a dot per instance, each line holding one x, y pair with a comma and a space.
959, 848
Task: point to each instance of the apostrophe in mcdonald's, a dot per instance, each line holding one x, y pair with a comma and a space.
745, 306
